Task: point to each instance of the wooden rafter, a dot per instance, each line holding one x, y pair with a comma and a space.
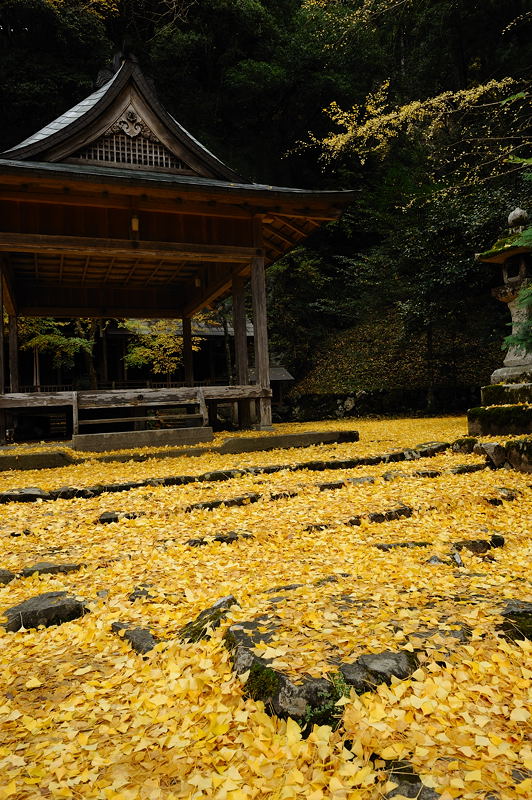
109, 269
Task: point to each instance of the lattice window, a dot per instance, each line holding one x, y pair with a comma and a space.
120, 148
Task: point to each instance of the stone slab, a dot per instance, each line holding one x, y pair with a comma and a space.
248, 444
506, 393
127, 440
47, 459
503, 420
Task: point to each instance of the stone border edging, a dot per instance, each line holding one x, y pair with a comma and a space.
53, 458
32, 494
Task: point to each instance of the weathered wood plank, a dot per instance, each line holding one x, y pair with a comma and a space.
37, 399
75, 414
203, 406
118, 398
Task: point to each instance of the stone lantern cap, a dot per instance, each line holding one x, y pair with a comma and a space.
519, 240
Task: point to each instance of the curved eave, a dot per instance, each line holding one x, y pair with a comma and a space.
252, 193
502, 255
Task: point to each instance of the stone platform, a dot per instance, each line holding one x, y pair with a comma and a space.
128, 440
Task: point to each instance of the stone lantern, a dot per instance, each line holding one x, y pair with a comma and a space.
507, 402
514, 253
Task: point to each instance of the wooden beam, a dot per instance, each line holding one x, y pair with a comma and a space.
212, 291
104, 199
81, 246
295, 228
188, 358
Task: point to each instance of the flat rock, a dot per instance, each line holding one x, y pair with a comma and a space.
385, 546
390, 514
50, 608
456, 558
426, 473
331, 485
494, 452
141, 639
284, 495
210, 505
28, 494
231, 536
115, 516
206, 620
383, 666
6, 576
409, 783
428, 449
361, 480
436, 560
358, 676
47, 568
289, 587
140, 593
465, 445
477, 546
517, 615
394, 475
466, 469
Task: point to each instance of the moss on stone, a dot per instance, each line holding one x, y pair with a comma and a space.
263, 682
502, 393
506, 244
523, 446
501, 419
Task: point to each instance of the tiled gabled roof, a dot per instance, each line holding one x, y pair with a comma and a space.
85, 115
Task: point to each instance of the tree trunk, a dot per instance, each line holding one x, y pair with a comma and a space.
430, 368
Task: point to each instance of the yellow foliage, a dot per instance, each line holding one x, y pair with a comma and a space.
83, 716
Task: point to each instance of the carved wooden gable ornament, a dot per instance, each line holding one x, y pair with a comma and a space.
130, 142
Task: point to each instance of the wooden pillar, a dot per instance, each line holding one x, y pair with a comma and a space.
188, 358
2, 365
262, 363
2, 375
241, 348
13, 354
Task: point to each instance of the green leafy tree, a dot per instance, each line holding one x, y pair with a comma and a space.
156, 344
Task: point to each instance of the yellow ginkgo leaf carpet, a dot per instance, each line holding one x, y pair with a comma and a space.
324, 578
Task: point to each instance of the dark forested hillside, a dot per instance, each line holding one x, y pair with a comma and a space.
423, 106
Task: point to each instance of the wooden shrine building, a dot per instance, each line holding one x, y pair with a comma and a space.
114, 210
